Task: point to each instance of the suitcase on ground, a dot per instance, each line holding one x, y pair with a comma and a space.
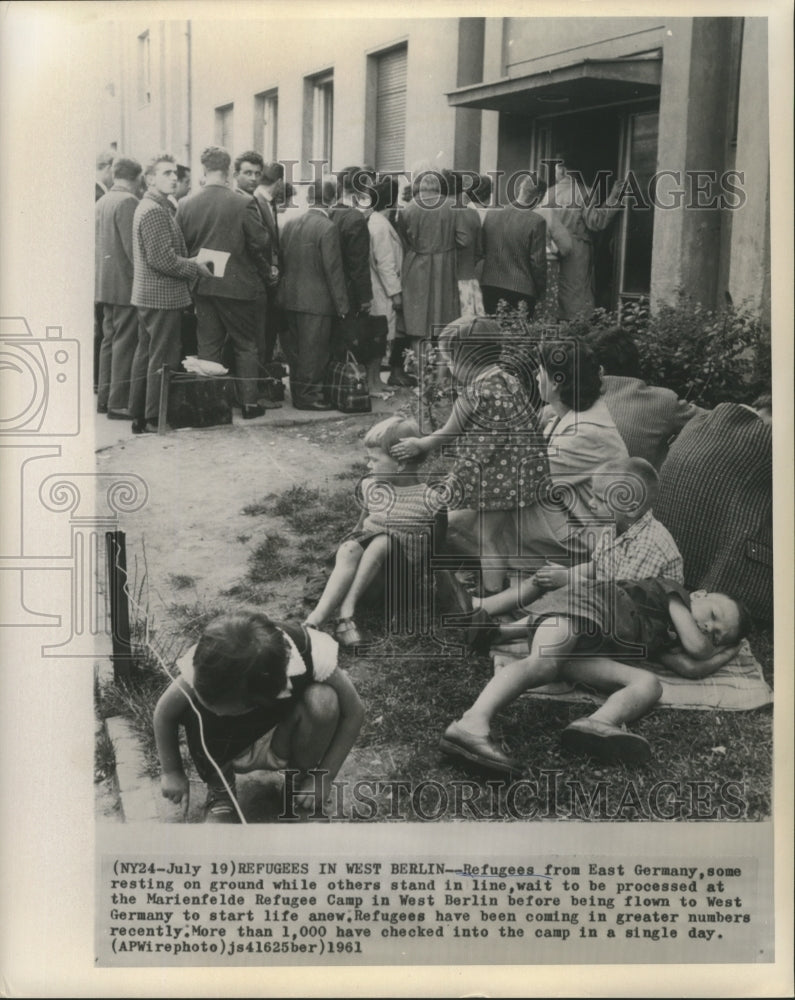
199, 400
346, 386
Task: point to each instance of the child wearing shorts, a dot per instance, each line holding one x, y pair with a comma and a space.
397, 505
255, 694
632, 546
579, 636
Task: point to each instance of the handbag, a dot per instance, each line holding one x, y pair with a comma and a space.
346, 386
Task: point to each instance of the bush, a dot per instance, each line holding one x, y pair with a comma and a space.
705, 355
708, 356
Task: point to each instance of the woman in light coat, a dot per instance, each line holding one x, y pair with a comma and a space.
386, 265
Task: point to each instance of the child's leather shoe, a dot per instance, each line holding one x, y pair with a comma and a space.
605, 742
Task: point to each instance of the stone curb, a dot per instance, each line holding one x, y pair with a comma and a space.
136, 790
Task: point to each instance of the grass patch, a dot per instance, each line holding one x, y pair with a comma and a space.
268, 560
192, 617
104, 757
411, 690
181, 581
259, 507
410, 701
135, 700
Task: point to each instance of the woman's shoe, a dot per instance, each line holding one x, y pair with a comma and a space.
347, 633
400, 380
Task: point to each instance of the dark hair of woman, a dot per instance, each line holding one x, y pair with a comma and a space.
616, 352
384, 194
574, 369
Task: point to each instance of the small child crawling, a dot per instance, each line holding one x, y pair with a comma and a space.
576, 637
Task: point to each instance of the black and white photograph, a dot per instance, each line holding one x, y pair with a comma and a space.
389, 450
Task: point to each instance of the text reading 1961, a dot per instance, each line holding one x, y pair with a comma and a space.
246, 911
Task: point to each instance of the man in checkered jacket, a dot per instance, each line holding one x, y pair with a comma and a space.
162, 275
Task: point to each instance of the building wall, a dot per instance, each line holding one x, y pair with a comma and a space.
749, 277
710, 68
532, 45
232, 62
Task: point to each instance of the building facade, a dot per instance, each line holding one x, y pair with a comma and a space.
680, 104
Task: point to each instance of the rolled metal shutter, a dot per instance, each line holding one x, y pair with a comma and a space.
390, 116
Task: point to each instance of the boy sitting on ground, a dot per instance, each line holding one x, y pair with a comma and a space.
623, 491
576, 640
397, 505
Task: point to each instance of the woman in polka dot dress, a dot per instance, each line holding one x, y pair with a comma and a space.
500, 453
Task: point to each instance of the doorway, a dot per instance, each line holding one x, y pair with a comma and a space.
615, 140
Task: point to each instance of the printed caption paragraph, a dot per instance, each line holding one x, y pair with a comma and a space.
246, 911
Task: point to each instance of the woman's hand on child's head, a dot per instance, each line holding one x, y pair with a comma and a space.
174, 785
407, 448
552, 576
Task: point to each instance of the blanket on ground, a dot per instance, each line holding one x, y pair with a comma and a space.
739, 686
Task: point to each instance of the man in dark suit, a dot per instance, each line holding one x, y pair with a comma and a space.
313, 292
355, 243
248, 168
267, 195
113, 249
515, 248
218, 218
648, 417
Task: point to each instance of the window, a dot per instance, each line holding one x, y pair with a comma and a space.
323, 117
144, 61
266, 121
390, 108
224, 125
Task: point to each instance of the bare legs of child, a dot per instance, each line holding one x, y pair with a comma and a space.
480, 533
303, 739
298, 743
514, 597
354, 570
634, 691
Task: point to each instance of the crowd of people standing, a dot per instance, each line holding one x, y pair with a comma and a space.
367, 266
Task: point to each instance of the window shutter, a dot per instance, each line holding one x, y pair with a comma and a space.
390, 135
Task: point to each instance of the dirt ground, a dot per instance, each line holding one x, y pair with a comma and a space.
192, 527
191, 540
